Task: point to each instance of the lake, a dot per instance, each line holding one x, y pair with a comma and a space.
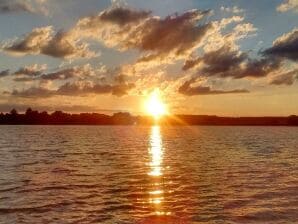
131, 174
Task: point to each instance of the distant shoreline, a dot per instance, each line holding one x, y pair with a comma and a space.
31, 117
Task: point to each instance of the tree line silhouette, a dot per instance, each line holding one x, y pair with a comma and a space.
60, 117
34, 117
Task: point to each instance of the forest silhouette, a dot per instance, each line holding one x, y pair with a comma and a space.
34, 117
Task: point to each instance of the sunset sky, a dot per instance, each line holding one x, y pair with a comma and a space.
232, 58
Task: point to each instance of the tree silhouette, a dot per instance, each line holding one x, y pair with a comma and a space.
33, 117
14, 112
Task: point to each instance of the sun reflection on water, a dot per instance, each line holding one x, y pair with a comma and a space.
156, 197
155, 152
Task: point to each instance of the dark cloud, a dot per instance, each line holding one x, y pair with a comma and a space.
121, 78
285, 47
126, 28
33, 92
61, 75
23, 79
256, 68
227, 62
223, 61
122, 16
76, 89
9, 6
187, 89
27, 6
28, 71
285, 79
42, 41
190, 63
4, 73
176, 34
37, 72
62, 45
122, 89
71, 89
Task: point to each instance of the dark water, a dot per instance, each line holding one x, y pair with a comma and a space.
80, 174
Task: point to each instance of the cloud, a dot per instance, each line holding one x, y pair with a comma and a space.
191, 63
122, 16
177, 35
221, 55
222, 61
32, 70
60, 75
122, 89
4, 73
68, 73
111, 26
79, 88
187, 89
125, 28
208, 49
33, 92
285, 46
233, 9
44, 41
87, 88
159, 40
75, 89
23, 79
28, 6
37, 73
288, 5
29, 73
287, 78
227, 62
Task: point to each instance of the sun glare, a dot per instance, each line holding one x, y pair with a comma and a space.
154, 105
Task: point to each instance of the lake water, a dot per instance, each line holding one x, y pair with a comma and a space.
102, 174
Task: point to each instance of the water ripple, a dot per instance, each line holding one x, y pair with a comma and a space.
90, 174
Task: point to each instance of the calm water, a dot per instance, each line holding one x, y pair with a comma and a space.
93, 174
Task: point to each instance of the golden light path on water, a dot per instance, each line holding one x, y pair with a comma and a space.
156, 152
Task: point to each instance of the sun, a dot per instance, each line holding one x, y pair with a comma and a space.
155, 106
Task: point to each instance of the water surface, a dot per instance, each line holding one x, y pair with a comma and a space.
96, 174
